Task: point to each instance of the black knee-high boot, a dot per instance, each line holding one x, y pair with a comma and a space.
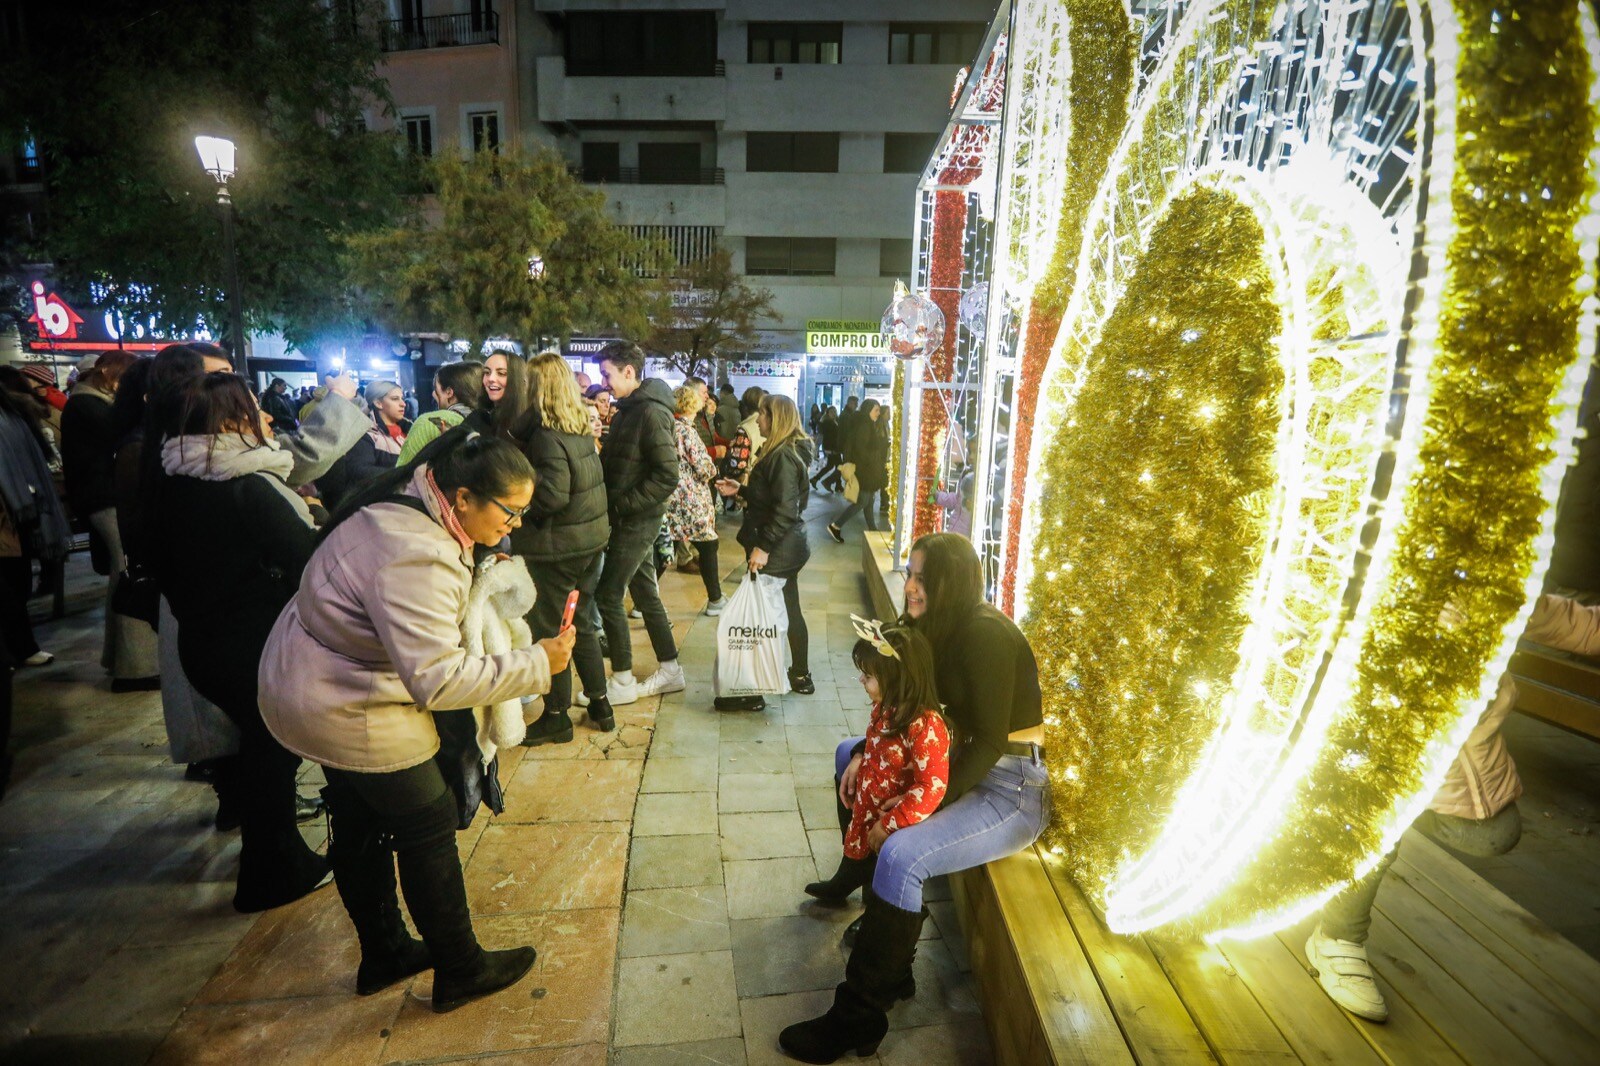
276, 866
363, 872
879, 964
852, 873
430, 875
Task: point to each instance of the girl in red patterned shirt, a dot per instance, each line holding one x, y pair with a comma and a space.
906, 753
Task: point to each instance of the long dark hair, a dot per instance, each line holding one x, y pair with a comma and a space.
218, 404
906, 685
952, 584
128, 406
516, 415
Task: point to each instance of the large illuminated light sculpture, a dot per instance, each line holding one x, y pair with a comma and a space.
1323, 326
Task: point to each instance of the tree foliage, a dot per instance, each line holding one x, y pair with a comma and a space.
113, 96
715, 317
464, 269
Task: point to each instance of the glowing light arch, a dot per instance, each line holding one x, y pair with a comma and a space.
1326, 777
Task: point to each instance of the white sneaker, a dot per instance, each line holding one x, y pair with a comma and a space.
1345, 974
579, 699
636, 614
667, 678
39, 658
622, 690
715, 607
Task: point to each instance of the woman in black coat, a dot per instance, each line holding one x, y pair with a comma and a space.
563, 538
228, 539
774, 530
867, 446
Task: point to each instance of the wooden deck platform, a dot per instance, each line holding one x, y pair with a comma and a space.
1471, 977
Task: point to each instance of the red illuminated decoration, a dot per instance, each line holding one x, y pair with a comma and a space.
52, 316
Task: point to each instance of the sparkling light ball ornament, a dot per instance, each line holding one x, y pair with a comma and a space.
1326, 322
973, 310
913, 324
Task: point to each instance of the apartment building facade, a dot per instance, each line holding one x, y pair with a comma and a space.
792, 132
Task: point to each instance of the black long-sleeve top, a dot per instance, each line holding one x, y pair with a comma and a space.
989, 684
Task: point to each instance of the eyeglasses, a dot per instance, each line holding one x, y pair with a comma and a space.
512, 514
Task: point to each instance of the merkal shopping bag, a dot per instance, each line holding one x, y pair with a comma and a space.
753, 641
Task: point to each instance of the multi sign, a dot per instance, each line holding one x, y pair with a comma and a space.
828, 336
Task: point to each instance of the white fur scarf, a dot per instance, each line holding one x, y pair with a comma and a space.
502, 592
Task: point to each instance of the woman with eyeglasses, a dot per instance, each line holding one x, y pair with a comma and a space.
370, 645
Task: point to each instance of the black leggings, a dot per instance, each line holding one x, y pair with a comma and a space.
799, 636
707, 551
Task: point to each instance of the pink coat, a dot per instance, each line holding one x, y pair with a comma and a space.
1483, 780
371, 645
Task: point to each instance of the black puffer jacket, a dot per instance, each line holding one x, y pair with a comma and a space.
641, 455
88, 451
775, 503
567, 518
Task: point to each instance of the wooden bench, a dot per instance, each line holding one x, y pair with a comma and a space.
1470, 976
1558, 687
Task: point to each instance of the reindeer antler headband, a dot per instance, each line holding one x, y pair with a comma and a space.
871, 631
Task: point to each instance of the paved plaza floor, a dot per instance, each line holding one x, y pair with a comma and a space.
657, 869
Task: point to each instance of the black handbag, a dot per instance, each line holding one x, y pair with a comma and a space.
137, 596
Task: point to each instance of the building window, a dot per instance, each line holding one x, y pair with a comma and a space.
686, 244
419, 134
641, 44
934, 42
482, 15
790, 256
602, 161
796, 42
791, 153
907, 153
669, 163
485, 127
894, 257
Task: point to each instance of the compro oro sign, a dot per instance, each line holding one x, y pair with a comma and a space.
826, 336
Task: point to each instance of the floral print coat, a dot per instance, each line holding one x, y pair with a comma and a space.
691, 513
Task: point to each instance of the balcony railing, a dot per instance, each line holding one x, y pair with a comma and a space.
441, 31
652, 176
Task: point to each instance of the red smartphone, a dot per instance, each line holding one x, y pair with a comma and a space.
572, 609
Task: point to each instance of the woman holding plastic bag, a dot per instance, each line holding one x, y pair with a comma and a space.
775, 495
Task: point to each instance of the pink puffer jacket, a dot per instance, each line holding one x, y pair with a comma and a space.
1483, 780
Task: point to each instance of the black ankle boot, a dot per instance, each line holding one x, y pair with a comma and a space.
389, 953
801, 683
874, 978
496, 970
552, 727
851, 875
601, 716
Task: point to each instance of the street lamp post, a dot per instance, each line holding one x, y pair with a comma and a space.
217, 157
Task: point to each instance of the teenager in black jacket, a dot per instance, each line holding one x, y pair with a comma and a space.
774, 530
640, 456
563, 537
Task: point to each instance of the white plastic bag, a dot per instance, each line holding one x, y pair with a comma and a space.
753, 640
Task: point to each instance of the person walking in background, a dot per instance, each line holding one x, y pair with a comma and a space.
372, 454
89, 444
868, 449
727, 420
563, 537
275, 401
228, 541
457, 392
411, 405
369, 645
640, 458
691, 513
774, 530
828, 433
32, 526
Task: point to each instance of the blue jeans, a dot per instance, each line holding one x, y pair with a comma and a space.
1005, 813
863, 506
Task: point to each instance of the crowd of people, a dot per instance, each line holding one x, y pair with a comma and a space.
302, 575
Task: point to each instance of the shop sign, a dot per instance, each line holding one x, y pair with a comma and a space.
585, 347
826, 336
62, 329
